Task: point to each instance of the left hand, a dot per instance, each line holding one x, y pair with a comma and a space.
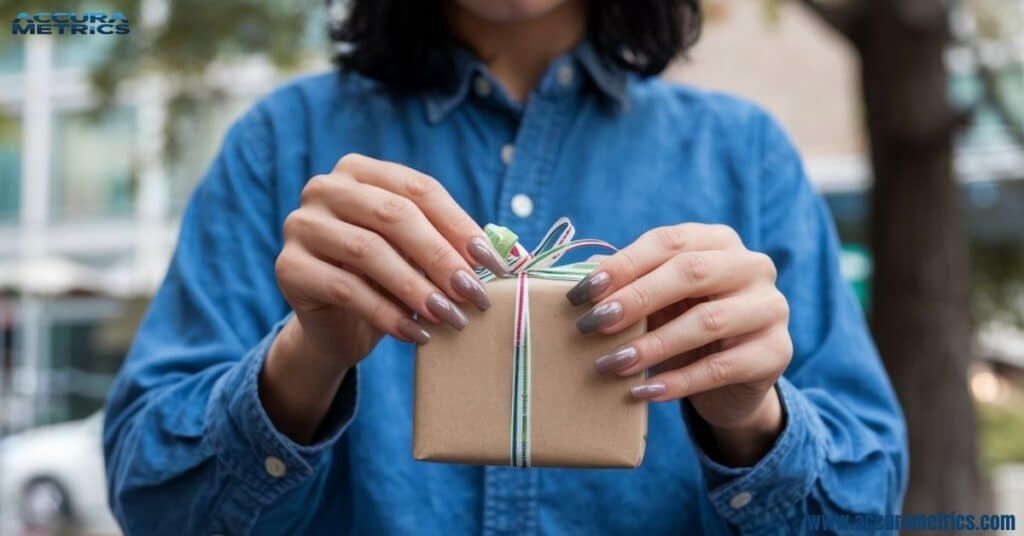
717, 329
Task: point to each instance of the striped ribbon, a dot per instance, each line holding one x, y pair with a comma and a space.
523, 265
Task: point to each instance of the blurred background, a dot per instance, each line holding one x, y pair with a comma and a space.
910, 116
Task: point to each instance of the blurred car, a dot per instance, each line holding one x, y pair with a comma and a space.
52, 479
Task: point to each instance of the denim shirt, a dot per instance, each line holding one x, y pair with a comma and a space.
190, 450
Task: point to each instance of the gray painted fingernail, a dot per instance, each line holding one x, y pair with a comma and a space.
483, 252
409, 328
600, 316
617, 360
647, 391
589, 288
446, 310
470, 288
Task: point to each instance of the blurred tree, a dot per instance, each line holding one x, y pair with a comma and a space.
919, 312
181, 41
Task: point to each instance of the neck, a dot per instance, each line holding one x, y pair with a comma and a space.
517, 53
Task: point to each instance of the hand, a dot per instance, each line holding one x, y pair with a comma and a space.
717, 329
371, 243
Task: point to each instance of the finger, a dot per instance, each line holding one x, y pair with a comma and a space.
433, 200
312, 282
691, 274
342, 243
401, 223
648, 252
760, 359
703, 324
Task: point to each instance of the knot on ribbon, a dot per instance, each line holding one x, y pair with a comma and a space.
539, 261
522, 265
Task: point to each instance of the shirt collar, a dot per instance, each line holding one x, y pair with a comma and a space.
609, 80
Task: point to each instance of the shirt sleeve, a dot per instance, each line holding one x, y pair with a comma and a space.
189, 448
842, 450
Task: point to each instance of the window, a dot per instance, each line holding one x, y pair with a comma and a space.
12, 55
93, 167
87, 339
72, 53
197, 140
987, 128
10, 167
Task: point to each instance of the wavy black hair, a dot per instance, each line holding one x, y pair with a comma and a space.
407, 43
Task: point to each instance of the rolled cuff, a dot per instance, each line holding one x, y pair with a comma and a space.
775, 488
246, 442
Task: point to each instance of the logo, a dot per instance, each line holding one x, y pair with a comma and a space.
70, 23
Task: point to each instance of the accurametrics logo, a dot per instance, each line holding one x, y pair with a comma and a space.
70, 23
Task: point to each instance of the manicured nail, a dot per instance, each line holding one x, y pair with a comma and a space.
589, 288
648, 391
409, 328
600, 316
446, 310
618, 360
483, 252
471, 289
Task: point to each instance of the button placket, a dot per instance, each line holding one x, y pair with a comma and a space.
522, 202
511, 494
508, 152
522, 205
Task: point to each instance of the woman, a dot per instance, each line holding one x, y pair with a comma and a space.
269, 388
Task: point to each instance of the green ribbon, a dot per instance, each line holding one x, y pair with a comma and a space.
523, 265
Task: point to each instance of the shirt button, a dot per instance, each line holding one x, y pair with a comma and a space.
565, 75
522, 205
274, 466
507, 152
740, 500
482, 86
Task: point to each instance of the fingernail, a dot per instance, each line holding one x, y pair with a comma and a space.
409, 328
600, 316
471, 289
589, 288
446, 310
648, 391
617, 360
483, 252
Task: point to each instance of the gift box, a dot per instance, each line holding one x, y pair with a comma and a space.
518, 386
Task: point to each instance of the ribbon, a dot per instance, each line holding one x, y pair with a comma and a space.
523, 265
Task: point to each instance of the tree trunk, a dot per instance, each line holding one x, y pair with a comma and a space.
919, 301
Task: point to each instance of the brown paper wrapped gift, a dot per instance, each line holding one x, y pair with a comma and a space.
578, 418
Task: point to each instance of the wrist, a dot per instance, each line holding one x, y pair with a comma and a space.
298, 382
745, 443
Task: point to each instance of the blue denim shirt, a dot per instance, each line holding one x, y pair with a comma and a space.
190, 449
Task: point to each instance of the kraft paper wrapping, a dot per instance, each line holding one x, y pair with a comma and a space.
580, 418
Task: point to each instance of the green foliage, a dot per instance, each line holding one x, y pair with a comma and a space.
182, 43
772, 10
1001, 434
997, 282
995, 19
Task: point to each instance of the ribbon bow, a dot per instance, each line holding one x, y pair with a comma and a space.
522, 265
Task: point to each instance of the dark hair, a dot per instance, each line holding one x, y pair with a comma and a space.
407, 43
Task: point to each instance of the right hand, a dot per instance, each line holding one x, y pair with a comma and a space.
371, 243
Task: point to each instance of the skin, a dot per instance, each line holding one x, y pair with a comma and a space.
373, 242
717, 330
518, 38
